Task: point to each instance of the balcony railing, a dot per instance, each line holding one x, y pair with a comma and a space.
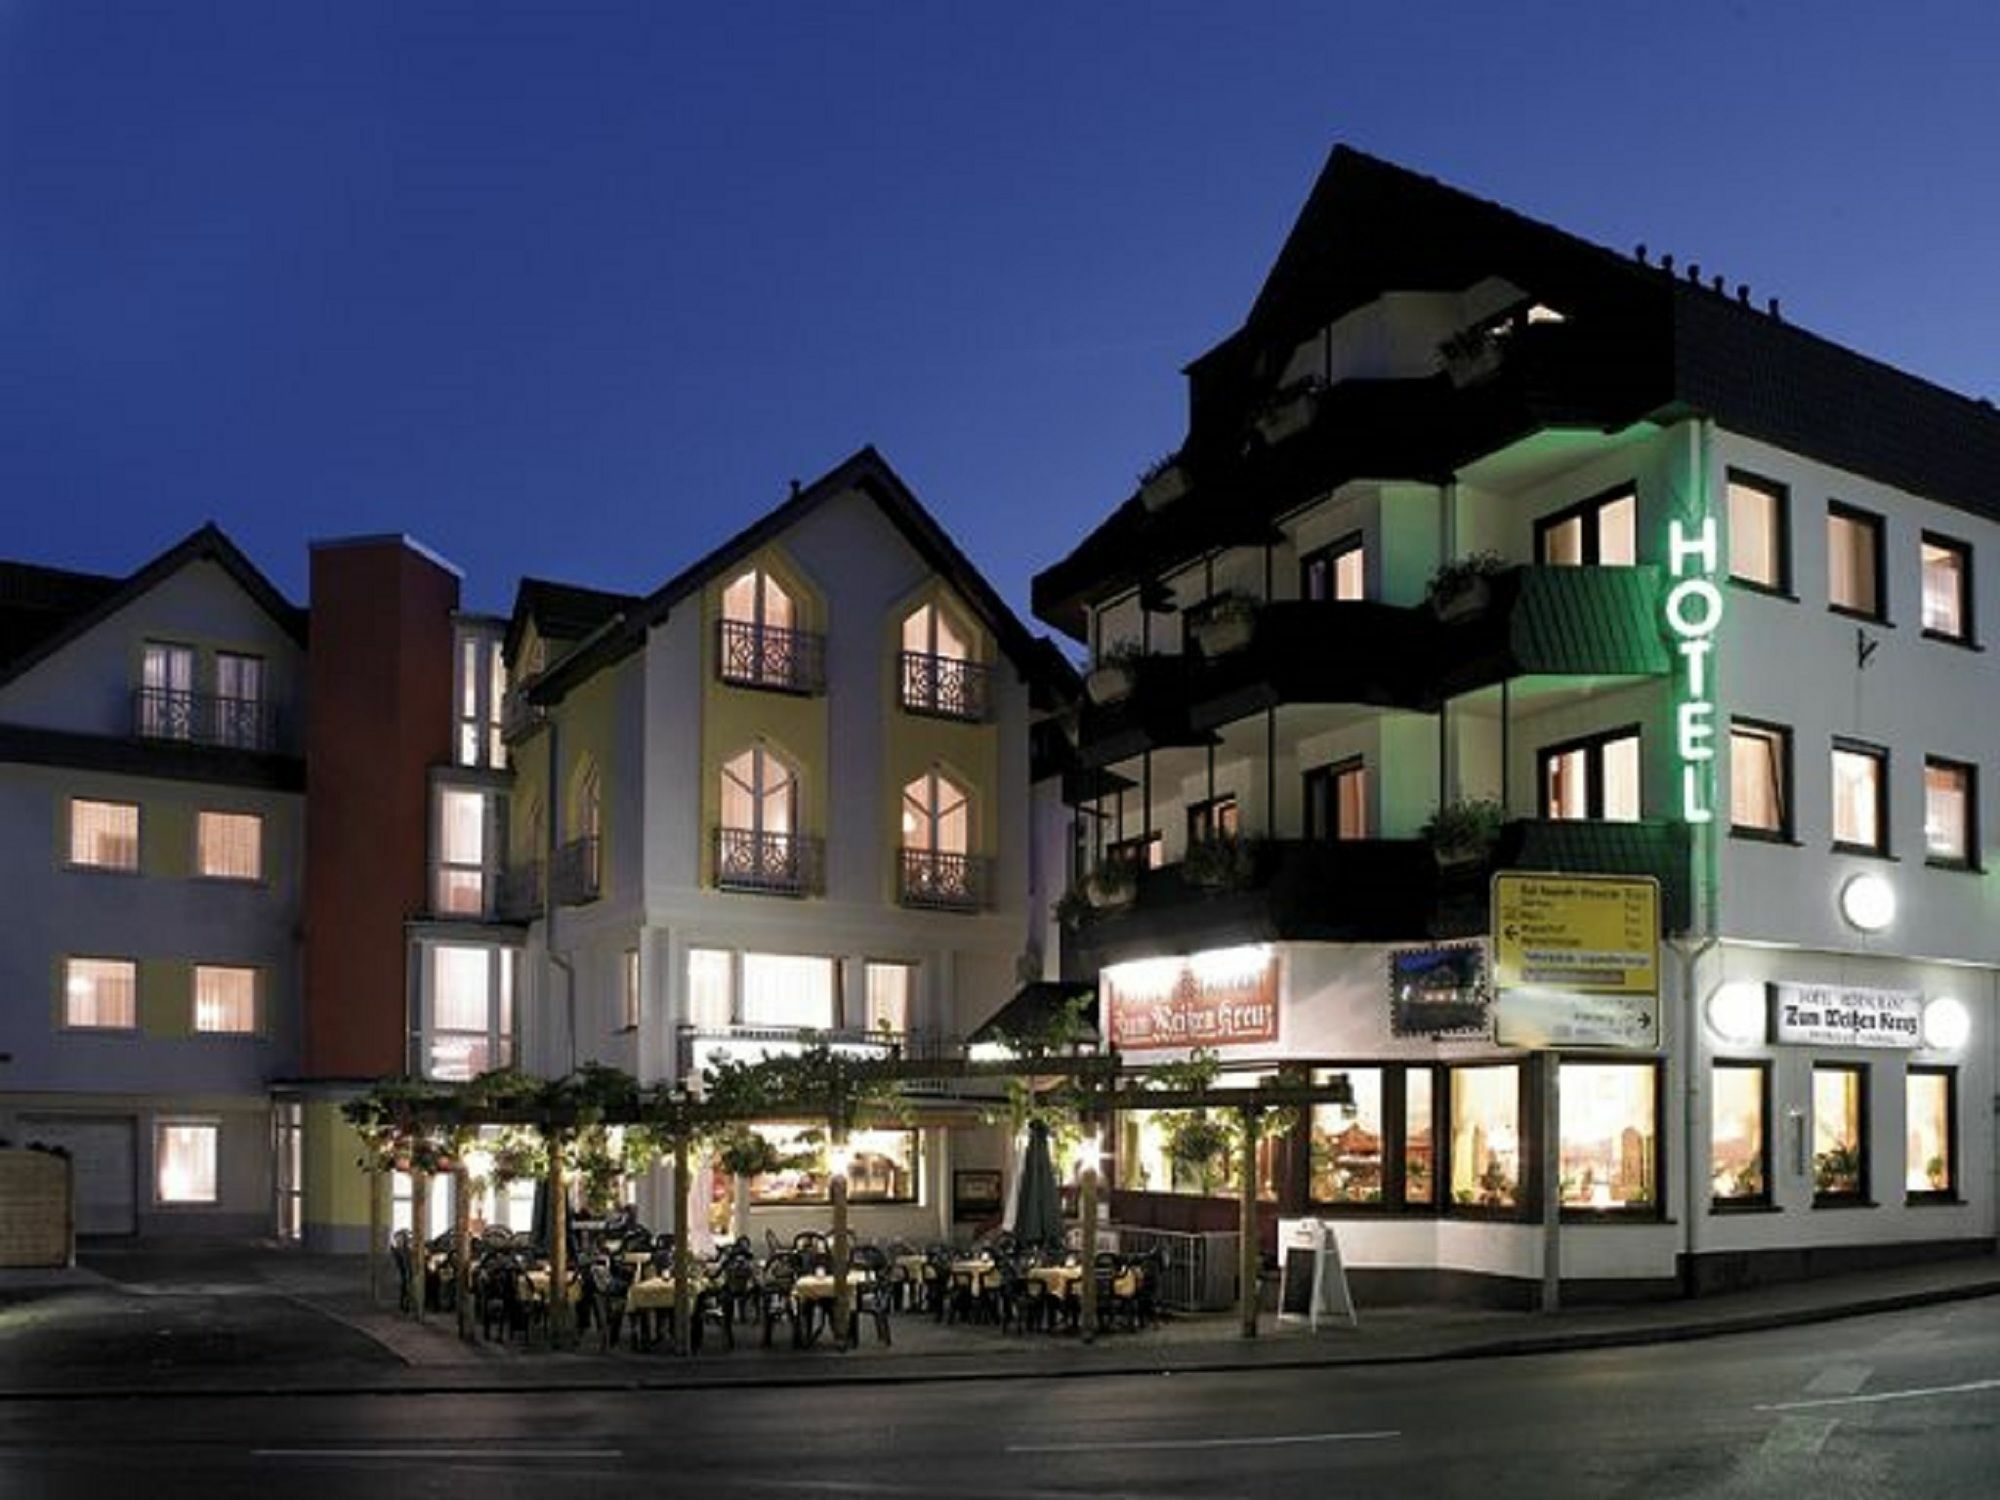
520, 894
517, 714
576, 877
767, 864
765, 656
936, 881
204, 719
700, 1047
946, 686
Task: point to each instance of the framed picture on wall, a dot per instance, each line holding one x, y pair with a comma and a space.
975, 1193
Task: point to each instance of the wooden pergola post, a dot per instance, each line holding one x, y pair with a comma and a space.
378, 1218
843, 1295
461, 1247
559, 1326
683, 1257
420, 1234
1248, 1291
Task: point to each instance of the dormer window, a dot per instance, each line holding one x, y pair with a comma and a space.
758, 641
938, 674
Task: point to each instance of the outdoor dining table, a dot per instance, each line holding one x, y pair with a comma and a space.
814, 1295
646, 1300
537, 1283
973, 1273
1058, 1279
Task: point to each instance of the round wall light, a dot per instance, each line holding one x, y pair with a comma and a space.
1947, 1024
1736, 1011
1868, 902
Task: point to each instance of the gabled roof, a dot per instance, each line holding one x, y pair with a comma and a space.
89, 600
866, 473
561, 611
36, 602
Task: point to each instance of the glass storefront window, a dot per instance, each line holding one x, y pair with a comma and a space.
1609, 1138
1348, 1143
1419, 1155
1486, 1136
1738, 1135
1928, 1167
884, 1166
1840, 1166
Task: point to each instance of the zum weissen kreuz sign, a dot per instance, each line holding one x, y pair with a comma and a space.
1837, 1015
1205, 1000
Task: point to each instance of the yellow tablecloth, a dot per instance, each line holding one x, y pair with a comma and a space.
973, 1272
1058, 1279
911, 1266
819, 1287
657, 1294
537, 1286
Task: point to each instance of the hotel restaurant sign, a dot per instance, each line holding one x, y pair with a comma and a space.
1216, 999
1839, 1015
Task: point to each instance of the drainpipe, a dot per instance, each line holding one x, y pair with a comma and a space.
552, 800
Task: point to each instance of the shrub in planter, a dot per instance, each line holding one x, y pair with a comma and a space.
1289, 411
1113, 675
1464, 832
1471, 355
1461, 587
1113, 883
1226, 623
1222, 863
1162, 482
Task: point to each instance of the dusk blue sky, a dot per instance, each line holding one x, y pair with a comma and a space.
574, 289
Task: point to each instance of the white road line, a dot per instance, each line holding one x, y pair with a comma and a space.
1839, 1380
1165, 1444
1796, 1436
457, 1453
1876, 1397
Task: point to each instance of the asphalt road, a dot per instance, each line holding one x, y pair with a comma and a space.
1903, 1404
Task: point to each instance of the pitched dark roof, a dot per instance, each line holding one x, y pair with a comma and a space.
561, 611
94, 600
1642, 343
867, 473
36, 602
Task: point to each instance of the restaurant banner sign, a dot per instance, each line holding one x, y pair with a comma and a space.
1217, 999
1839, 1015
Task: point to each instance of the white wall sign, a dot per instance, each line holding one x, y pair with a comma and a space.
1837, 1015
1541, 1018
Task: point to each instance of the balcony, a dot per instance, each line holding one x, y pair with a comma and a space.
167, 714
519, 897
576, 876
930, 880
766, 864
518, 715
1373, 890
1553, 622
697, 1048
765, 656
945, 687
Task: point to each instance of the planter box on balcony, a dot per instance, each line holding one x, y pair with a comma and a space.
1164, 488
1223, 634
1287, 417
1110, 682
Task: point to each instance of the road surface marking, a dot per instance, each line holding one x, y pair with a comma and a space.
867, 1487
1798, 1436
496, 1451
1876, 1397
1839, 1380
1158, 1444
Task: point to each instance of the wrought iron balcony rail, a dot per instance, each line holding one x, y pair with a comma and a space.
520, 894
577, 874
769, 864
204, 719
697, 1047
517, 714
765, 656
946, 686
935, 881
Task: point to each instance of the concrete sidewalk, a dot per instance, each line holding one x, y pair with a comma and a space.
306, 1325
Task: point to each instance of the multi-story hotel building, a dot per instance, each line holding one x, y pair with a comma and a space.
1716, 618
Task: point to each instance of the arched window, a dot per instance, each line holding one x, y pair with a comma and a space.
939, 674
757, 845
579, 868
759, 642
938, 868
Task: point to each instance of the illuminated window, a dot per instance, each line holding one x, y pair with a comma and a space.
482, 691
471, 1011
1486, 1137
1594, 778
225, 1000
1760, 774
760, 642
1214, 819
1861, 797
184, 1155
1930, 1139
1147, 852
628, 990
889, 987
1335, 572
101, 994
760, 793
1337, 801
711, 997
229, 846
1759, 526
884, 1166
1840, 1144
166, 692
1598, 533
789, 990
938, 673
103, 835
462, 853
1349, 1144
936, 815
1951, 820
1739, 1140
288, 1151
1419, 1149
239, 701
1609, 1144
1854, 581
1947, 570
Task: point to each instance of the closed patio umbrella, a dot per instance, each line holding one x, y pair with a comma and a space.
1037, 1199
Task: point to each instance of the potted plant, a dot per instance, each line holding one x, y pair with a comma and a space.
1221, 863
1114, 883
744, 1155
1073, 907
1462, 587
1114, 674
1199, 1146
1289, 411
1162, 482
1463, 832
1225, 623
1471, 355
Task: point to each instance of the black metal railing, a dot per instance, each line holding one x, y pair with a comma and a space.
203, 719
765, 656
699, 1047
769, 864
517, 714
942, 882
520, 894
946, 686
577, 876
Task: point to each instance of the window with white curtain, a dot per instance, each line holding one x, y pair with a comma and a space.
710, 1001
889, 989
787, 989
1854, 562
1760, 758
101, 994
756, 598
1860, 798
104, 835
929, 631
1757, 533
1947, 575
184, 1160
225, 1000
462, 851
936, 815
229, 846
760, 793
471, 1016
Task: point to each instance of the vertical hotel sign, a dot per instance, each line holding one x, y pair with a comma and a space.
1694, 610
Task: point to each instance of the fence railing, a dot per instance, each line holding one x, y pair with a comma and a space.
204, 719
945, 686
770, 864
519, 897
577, 875
942, 882
766, 656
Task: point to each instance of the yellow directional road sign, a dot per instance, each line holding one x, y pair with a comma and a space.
1587, 934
